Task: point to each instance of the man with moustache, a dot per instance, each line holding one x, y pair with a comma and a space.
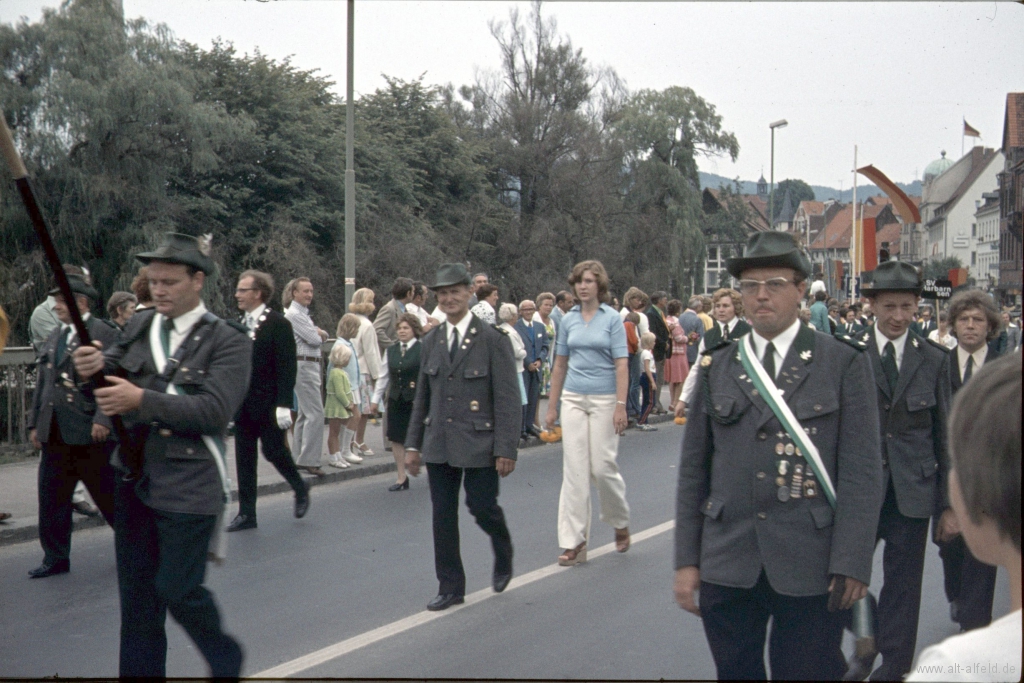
780, 481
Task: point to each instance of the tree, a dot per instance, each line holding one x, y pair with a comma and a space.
799, 192
939, 270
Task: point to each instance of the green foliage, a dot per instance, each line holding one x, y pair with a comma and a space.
939, 270
799, 192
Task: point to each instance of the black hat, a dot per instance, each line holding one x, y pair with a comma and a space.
770, 250
892, 276
183, 249
78, 286
451, 274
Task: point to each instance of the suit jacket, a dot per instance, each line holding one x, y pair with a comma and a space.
273, 367
385, 325
849, 329
663, 344
923, 329
912, 419
535, 339
61, 393
467, 412
730, 522
179, 473
954, 364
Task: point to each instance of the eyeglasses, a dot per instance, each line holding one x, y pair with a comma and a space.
776, 285
246, 289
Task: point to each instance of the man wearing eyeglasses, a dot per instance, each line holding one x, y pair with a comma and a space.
779, 487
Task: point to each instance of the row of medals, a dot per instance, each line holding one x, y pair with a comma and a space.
801, 482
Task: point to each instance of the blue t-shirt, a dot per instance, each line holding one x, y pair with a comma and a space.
592, 349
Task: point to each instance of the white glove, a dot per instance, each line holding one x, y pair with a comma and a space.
284, 418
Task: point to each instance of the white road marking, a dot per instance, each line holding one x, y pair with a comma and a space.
344, 647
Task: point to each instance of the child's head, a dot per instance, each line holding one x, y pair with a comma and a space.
340, 355
647, 340
984, 449
633, 317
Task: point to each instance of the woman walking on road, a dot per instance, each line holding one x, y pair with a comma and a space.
591, 379
397, 381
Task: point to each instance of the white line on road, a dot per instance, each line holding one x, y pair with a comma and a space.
344, 647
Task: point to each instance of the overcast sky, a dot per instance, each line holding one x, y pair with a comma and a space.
894, 78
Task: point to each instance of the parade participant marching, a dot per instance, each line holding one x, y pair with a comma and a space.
177, 375
465, 420
780, 481
912, 387
74, 437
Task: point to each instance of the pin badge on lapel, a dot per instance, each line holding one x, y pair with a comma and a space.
474, 406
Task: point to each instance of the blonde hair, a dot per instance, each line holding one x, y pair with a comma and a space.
737, 300
341, 354
647, 340
348, 326
362, 302
289, 290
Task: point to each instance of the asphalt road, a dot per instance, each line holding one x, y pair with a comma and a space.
351, 580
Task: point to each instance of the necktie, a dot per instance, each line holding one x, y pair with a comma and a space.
62, 344
403, 349
725, 332
769, 360
892, 373
969, 370
249, 322
455, 344
165, 335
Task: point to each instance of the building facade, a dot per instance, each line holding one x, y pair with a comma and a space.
1011, 203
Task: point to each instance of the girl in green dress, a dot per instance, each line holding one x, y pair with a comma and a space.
340, 403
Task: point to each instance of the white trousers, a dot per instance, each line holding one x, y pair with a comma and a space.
309, 425
589, 449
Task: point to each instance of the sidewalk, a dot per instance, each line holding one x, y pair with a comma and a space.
19, 490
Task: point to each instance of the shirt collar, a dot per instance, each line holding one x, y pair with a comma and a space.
729, 325
184, 322
462, 326
65, 326
899, 343
257, 312
979, 357
299, 307
409, 344
782, 342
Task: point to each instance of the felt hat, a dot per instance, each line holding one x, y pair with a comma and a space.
451, 274
183, 249
892, 276
78, 286
770, 250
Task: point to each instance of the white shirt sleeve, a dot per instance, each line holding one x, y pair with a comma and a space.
381, 386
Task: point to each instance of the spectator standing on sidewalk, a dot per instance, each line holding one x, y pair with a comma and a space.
648, 381
677, 367
662, 349
309, 425
368, 355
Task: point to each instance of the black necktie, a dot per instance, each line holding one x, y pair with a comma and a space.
892, 373
455, 344
769, 361
62, 344
969, 370
725, 332
165, 335
403, 349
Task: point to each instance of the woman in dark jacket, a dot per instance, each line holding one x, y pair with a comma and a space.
398, 382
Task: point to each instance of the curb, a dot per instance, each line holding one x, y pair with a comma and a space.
27, 528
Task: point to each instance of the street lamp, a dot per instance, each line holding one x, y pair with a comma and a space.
781, 123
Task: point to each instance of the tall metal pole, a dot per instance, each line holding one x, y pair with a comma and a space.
350, 170
771, 192
855, 235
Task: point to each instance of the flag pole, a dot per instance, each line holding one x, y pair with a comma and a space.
854, 243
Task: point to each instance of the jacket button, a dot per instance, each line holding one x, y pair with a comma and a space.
488, 424
762, 436
450, 378
450, 398
761, 475
449, 419
190, 451
888, 436
165, 432
887, 406
761, 515
817, 407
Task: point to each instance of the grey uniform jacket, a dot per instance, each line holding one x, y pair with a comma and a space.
61, 393
730, 521
913, 425
179, 473
467, 412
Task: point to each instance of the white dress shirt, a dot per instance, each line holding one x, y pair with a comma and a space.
182, 325
252, 318
782, 343
979, 359
898, 344
74, 333
462, 326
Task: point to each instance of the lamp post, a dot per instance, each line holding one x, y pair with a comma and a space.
350, 171
781, 123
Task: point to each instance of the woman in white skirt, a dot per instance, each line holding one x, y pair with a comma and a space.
508, 314
591, 378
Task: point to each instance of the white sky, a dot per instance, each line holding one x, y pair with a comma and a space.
894, 78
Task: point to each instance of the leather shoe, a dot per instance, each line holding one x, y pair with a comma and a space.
84, 508
302, 503
404, 486
241, 523
51, 569
501, 579
444, 601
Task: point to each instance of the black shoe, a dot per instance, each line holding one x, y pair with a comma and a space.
241, 523
404, 486
51, 569
84, 508
500, 580
302, 502
533, 431
444, 601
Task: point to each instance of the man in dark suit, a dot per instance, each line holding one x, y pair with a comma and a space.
178, 375
662, 342
535, 337
912, 387
266, 412
759, 532
465, 423
926, 325
969, 583
74, 436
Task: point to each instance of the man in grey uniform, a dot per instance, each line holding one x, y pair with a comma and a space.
465, 421
756, 531
178, 375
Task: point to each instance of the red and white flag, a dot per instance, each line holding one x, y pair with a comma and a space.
969, 131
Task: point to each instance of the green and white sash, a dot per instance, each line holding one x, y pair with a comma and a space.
773, 397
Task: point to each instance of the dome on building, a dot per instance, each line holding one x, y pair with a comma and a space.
937, 167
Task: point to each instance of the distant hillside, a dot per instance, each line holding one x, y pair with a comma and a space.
821, 192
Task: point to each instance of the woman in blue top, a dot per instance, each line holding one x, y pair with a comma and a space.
591, 378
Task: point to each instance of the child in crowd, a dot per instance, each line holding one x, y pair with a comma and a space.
984, 491
340, 404
632, 325
648, 383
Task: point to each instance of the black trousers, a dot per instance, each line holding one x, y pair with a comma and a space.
531, 382
970, 582
60, 469
805, 638
161, 565
482, 500
899, 603
275, 450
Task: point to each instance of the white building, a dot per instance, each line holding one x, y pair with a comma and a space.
985, 229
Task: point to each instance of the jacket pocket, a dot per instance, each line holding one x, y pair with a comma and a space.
822, 516
433, 371
929, 468
712, 508
483, 425
726, 405
920, 401
815, 406
475, 373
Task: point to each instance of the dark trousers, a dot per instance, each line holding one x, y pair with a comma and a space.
60, 469
275, 450
482, 500
531, 381
161, 564
632, 397
969, 582
647, 399
899, 603
804, 642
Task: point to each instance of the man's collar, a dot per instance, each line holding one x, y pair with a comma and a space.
257, 312
461, 326
898, 343
782, 341
184, 322
299, 307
